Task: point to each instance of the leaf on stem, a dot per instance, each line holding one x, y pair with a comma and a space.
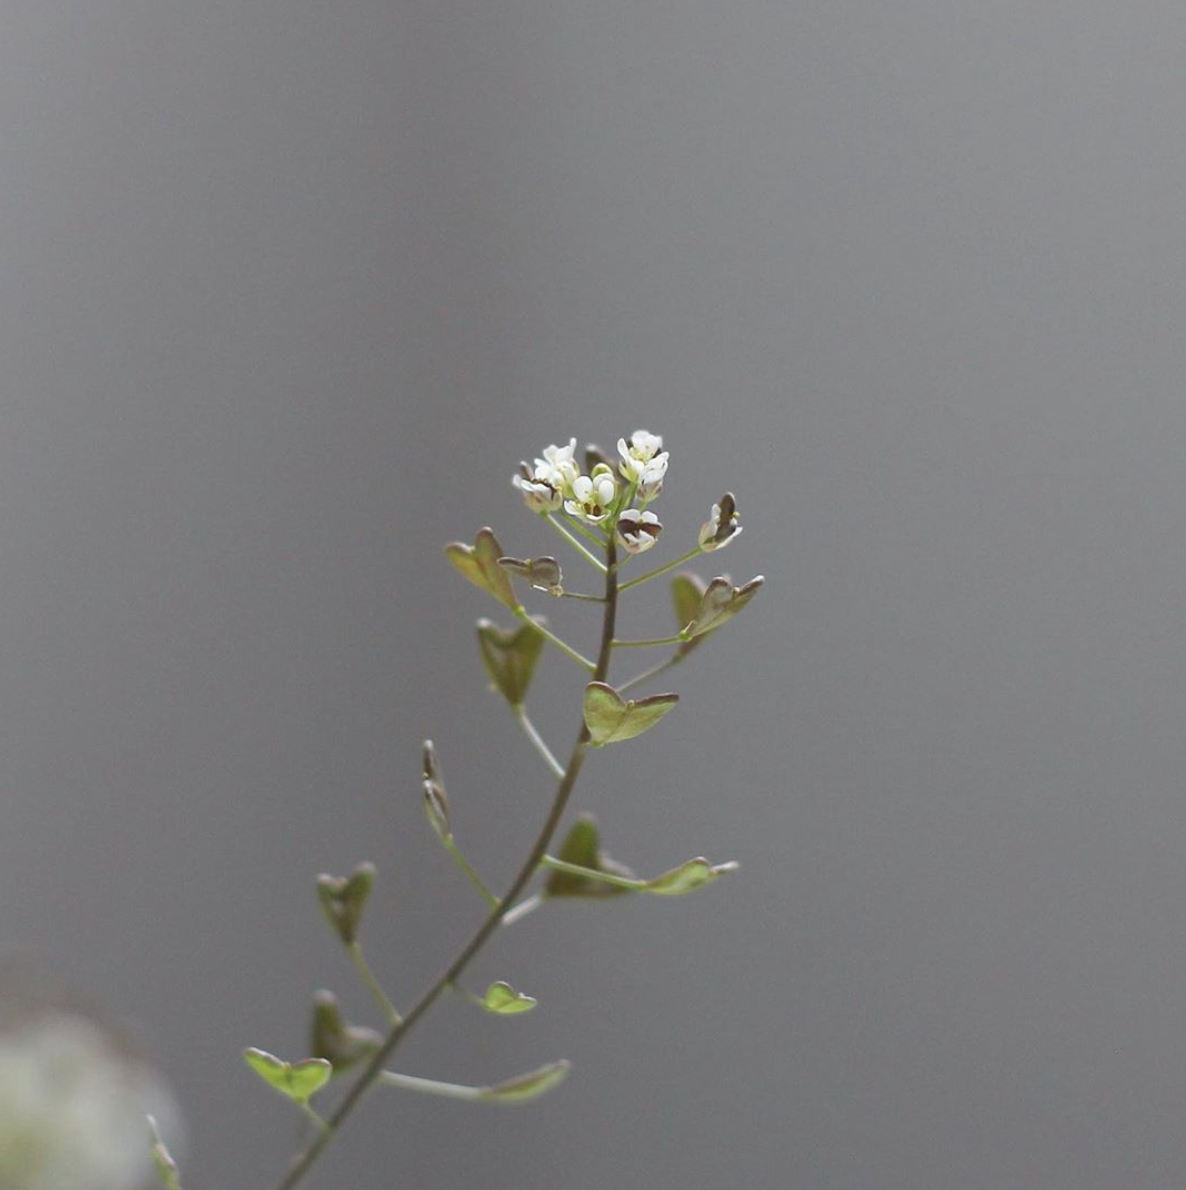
582, 846
542, 573
527, 1086
299, 1081
162, 1160
721, 601
332, 1038
611, 718
689, 876
343, 898
510, 657
502, 999
479, 564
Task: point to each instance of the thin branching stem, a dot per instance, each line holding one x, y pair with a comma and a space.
592, 559
549, 635
372, 984
644, 644
464, 864
653, 672
306, 1159
537, 742
650, 574
561, 865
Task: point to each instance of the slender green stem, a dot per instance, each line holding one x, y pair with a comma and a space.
373, 1071
643, 644
578, 595
430, 1086
318, 1121
576, 545
593, 535
466, 994
650, 574
464, 864
522, 909
549, 635
560, 865
538, 742
653, 672
372, 984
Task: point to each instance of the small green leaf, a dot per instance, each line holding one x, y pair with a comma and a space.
341, 1044
510, 657
299, 1081
689, 876
582, 846
166, 1168
611, 718
542, 573
527, 1086
343, 898
501, 998
479, 564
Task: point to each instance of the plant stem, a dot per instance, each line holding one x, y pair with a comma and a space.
430, 1086
474, 879
642, 644
562, 865
372, 984
549, 635
650, 574
576, 545
305, 1160
522, 909
578, 595
653, 672
537, 741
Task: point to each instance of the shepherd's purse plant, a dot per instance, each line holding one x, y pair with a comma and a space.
601, 508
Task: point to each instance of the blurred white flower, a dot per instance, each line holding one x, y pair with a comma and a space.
592, 496
638, 531
549, 481
644, 460
73, 1107
540, 485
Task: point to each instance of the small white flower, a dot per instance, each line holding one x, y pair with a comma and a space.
545, 485
72, 1108
560, 459
650, 477
638, 531
541, 486
592, 497
722, 526
644, 460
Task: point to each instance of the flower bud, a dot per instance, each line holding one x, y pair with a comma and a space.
722, 526
592, 496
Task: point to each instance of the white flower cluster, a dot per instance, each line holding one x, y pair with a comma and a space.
555, 482
601, 498
72, 1108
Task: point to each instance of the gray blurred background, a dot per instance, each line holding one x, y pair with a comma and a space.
288, 289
